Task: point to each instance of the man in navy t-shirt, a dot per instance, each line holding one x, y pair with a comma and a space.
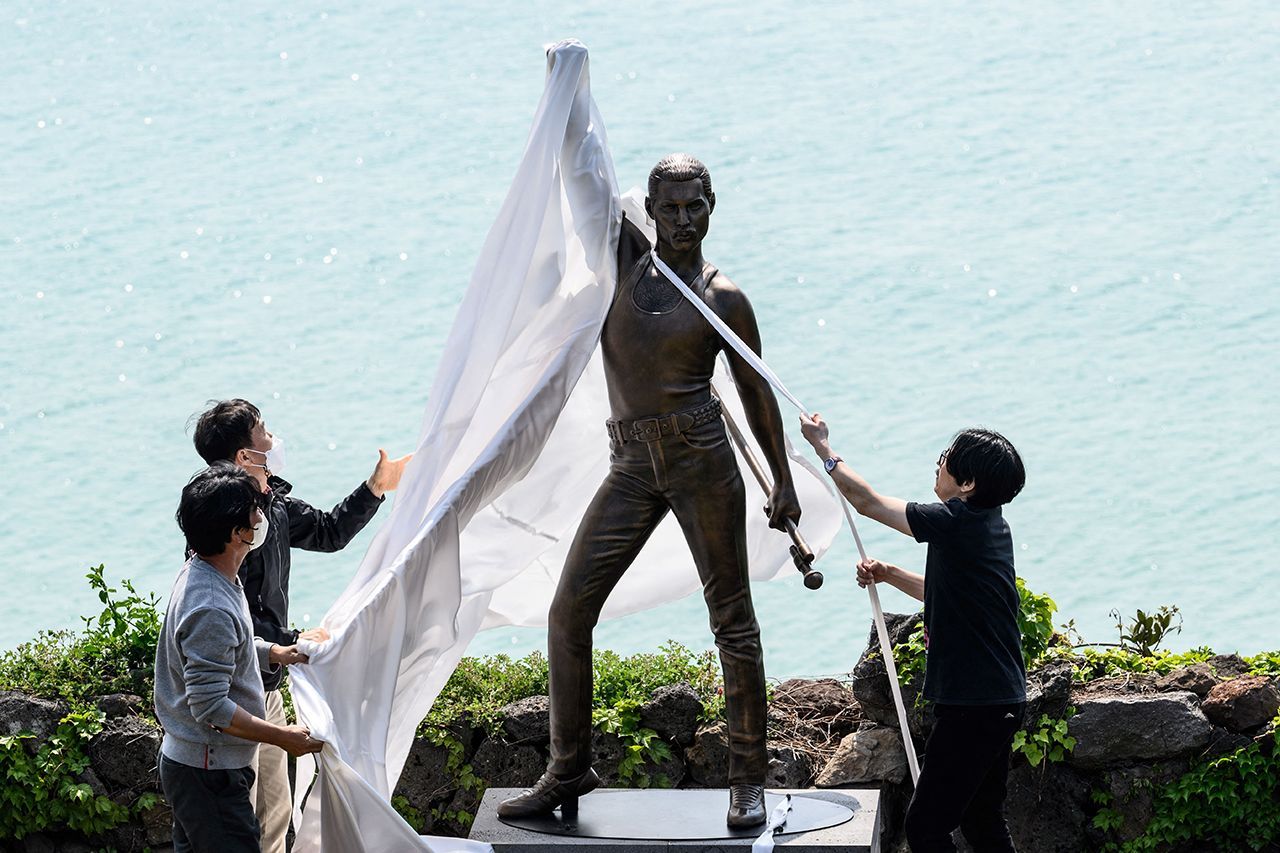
974, 670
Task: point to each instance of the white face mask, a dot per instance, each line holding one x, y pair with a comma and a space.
260, 533
273, 461
275, 456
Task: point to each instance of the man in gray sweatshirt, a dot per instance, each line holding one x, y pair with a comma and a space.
208, 690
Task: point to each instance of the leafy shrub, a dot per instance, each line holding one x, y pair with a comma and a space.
619, 679
1146, 631
1035, 621
1047, 741
1108, 816
478, 689
1107, 663
909, 657
1230, 802
623, 684
43, 788
114, 653
1264, 663
411, 816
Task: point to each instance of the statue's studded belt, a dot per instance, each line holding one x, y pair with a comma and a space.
652, 429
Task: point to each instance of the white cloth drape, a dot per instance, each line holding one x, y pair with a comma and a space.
511, 451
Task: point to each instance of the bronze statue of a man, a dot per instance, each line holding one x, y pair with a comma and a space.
669, 452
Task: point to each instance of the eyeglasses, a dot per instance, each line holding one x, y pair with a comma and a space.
942, 460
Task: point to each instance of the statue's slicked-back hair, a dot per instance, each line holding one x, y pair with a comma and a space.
681, 167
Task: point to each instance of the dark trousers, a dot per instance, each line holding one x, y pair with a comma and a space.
962, 783
694, 475
211, 808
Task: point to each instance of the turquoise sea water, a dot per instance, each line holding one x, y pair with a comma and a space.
1056, 220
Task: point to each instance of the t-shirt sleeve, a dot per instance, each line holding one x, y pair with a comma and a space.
930, 522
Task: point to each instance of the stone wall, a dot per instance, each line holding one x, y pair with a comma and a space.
1132, 734
122, 766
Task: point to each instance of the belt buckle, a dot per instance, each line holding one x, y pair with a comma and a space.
648, 429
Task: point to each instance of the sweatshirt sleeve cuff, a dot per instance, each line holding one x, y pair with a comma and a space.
263, 648
222, 713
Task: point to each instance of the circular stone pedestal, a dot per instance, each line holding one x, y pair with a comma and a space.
675, 815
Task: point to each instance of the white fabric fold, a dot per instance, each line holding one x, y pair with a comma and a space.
774, 827
511, 450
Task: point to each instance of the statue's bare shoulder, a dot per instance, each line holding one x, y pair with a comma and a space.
729, 302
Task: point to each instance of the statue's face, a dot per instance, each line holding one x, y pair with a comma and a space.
681, 213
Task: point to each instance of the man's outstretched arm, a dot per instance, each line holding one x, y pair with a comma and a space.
889, 511
763, 415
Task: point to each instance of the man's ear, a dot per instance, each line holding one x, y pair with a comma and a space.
648, 208
967, 489
242, 535
711, 202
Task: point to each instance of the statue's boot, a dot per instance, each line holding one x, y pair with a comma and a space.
746, 806
550, 793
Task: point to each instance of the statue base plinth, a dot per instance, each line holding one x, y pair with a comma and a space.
692, 820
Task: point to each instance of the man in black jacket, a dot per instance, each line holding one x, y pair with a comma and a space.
233, 430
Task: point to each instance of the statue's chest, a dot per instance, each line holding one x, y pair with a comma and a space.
652, 321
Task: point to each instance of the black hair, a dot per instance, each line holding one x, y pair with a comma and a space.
225, 429
681, 167
214, 503
989, 461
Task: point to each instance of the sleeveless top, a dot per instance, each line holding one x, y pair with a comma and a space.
659, 352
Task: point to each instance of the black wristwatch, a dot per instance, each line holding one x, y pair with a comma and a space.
831, 463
